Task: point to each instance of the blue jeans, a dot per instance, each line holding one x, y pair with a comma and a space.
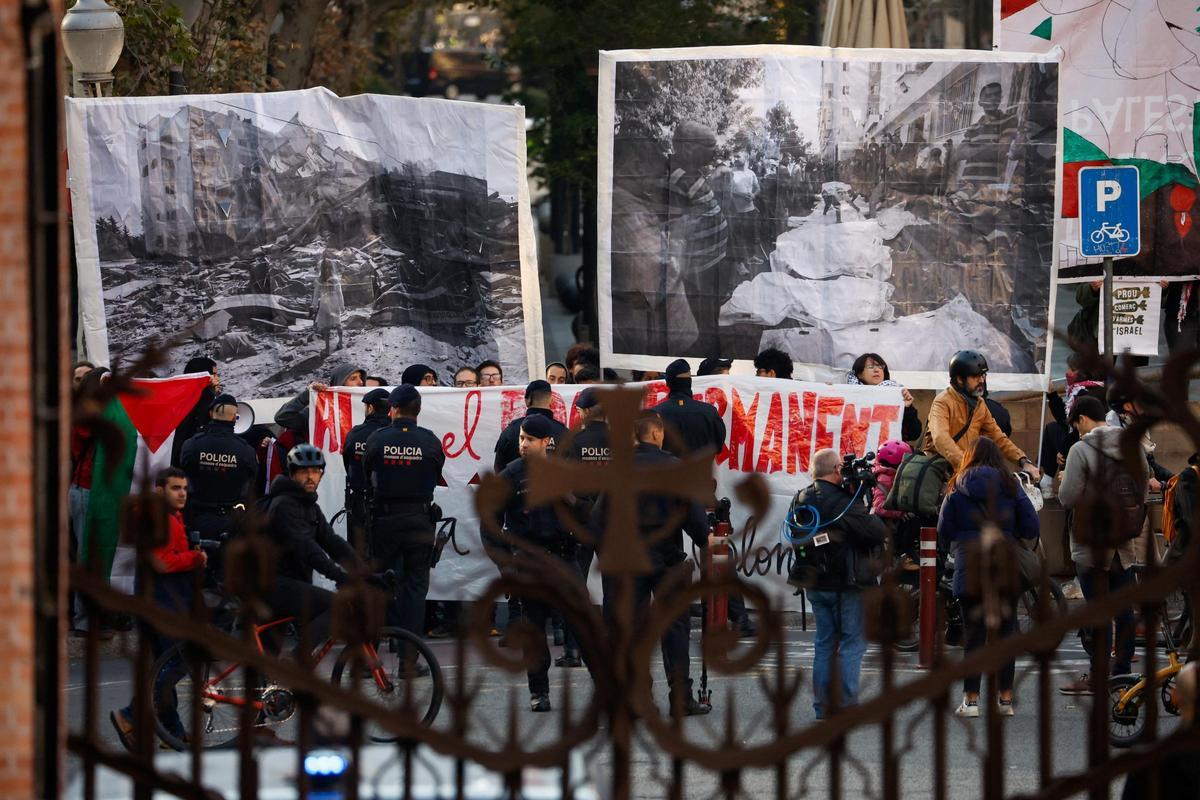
839, 620
1115, 578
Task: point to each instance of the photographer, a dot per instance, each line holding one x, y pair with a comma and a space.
834, 566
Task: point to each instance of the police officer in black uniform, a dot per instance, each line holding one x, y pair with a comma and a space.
220, 466
542, 527
666, 553
353, 450
538, 398
698, 426
403, 464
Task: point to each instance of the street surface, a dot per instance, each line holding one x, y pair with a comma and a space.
861, 773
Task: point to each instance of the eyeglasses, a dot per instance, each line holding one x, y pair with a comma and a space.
490, 376
465, 384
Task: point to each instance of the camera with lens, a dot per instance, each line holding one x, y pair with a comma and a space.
857, 471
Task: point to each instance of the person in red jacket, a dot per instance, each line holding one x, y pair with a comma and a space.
174, 562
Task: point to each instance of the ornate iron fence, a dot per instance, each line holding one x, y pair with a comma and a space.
620, 716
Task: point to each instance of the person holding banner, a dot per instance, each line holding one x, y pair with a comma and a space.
403, 465
353, 450
541, 527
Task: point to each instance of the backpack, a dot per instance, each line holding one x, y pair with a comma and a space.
1121, 498
921, 481
815, 552
1169, 498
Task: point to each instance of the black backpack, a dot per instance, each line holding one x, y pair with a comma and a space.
815, 552
1119, 498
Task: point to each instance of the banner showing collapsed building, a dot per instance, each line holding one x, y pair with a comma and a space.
828, 203
773, 428
1129, 88
282, 233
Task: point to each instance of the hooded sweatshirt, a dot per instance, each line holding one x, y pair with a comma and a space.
1085, 468
979, 494
885, 476
293, 414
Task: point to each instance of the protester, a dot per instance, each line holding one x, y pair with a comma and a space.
836, 594
773, 363
981, 491
1090, 480
80, 371
957, 418
402, 511
466, 378
556, 373
293, 415
539, 526
581, 355
1057, 436
490, 374
419, 375
666, 553
305, 543
197, 418
376, 381
714, 366
870, 369
172, 587
587, 375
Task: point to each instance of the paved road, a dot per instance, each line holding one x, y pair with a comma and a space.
861, 775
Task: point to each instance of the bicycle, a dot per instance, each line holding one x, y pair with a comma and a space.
389, 674
1126, 694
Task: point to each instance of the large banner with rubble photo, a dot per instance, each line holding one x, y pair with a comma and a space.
283, 234
1129, 88
828, 202
774, 427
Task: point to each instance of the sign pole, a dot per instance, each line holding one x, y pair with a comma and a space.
1108, 309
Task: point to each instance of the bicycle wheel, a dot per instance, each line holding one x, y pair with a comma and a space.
399, 670
1127, 724
1027, 606
183, 673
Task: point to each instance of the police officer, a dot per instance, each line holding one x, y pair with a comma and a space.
698, 426
538, 398
589, 446
353, 450
666, 553
403, 464
220, 466
542, 527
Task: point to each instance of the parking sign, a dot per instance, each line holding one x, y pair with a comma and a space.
1109, 212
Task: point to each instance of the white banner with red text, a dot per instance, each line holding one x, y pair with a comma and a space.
773, 428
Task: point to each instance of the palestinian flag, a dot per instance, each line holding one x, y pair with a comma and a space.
148, 418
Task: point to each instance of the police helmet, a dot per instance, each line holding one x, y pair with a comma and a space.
967, 364
303, 456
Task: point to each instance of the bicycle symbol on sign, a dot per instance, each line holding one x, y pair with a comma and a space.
1107, 231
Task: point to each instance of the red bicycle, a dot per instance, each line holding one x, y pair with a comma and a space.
397, 669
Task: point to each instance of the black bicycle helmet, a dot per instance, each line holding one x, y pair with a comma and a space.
967, 363
303, 456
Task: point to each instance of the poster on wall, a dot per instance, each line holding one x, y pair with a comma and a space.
773, 427
282, 234
1137, 313
828, 202
1129, 85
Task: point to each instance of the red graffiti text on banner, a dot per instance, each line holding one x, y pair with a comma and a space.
800, 431
741, 433
470, 423
770, 454
334, 419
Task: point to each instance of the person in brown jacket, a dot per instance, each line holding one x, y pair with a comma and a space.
959, 417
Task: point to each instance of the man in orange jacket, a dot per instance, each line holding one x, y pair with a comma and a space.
959, 416
174, 563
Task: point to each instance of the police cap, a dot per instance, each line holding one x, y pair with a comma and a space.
537, 426
403, 395
222, 400
677, 367
376, 397
587, 399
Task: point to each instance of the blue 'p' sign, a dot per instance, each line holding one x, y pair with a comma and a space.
1109, 212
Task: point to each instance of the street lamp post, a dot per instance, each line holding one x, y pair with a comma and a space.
93, 36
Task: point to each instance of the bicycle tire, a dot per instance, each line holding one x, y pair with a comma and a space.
220, 737
1028, 602
437, 681
1127, 726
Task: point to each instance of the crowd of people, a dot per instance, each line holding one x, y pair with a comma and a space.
393, 465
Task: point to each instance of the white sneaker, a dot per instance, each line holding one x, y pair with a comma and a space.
1005, 707
968, 708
